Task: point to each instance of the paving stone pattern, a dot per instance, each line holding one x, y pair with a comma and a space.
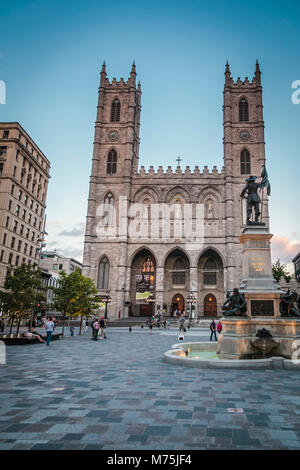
119, 394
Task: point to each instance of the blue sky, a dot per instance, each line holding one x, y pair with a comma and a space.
50, 58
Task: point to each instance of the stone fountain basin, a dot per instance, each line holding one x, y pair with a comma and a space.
177, 356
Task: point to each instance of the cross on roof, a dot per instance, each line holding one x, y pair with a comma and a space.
178, 160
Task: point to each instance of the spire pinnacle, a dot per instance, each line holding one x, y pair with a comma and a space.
103, 70
227, 68
133, 67
257, 69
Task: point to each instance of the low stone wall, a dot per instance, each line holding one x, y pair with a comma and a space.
176, 356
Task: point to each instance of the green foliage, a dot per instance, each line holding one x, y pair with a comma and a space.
21, 289
75, 294
279, 270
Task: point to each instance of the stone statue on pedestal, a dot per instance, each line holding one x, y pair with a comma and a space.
288, 306
237, 305
253, 199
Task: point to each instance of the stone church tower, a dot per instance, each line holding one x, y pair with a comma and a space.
128, 250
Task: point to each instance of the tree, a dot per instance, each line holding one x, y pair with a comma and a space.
74, 295
84, 301
21, 291
279, 270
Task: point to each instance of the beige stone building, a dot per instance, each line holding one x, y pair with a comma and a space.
128, 251
24, 175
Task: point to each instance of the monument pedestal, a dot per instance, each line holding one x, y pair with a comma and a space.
258, 285
239, 340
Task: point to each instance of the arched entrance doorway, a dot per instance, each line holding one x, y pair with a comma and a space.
210, 306
143, 270
178, 303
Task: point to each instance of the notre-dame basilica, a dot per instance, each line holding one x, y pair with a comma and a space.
142, 270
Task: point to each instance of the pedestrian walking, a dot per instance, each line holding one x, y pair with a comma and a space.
181, 323
119, 314
102, 328
49, 330
1, 325
71, 330
96, 329
213, 330
219, 327
150, 324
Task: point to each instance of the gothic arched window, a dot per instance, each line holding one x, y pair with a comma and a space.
243, 110
112, 162
210, 271
245, 162
115, 111
103, 273
178, 272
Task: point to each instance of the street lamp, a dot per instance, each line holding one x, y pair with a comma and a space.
106, 299
151, 299
192, 300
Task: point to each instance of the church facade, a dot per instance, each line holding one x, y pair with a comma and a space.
169, 238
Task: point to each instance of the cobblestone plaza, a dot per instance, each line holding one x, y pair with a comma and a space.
119, 394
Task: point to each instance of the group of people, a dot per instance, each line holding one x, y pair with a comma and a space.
32, 334
98, 326
158, 320
215, 328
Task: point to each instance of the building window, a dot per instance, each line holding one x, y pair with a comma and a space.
108, 216
10, 258
115, 111
15, 226
30, 251
25, 248
5, 134
245, 162
27, 233
20, 195
17, 210
4, 239
178, 272
15, 170
21, 229
55, 266
103, 274
25, 199
17, 260
19, 245
12, 243
9, 205
1, 255
112, 162
243, 110
32, 238
12, 189
1, 168
3, 150
210, 272
7, 221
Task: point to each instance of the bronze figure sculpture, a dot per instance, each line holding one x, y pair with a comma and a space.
236, 303
253, 199
288, 306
